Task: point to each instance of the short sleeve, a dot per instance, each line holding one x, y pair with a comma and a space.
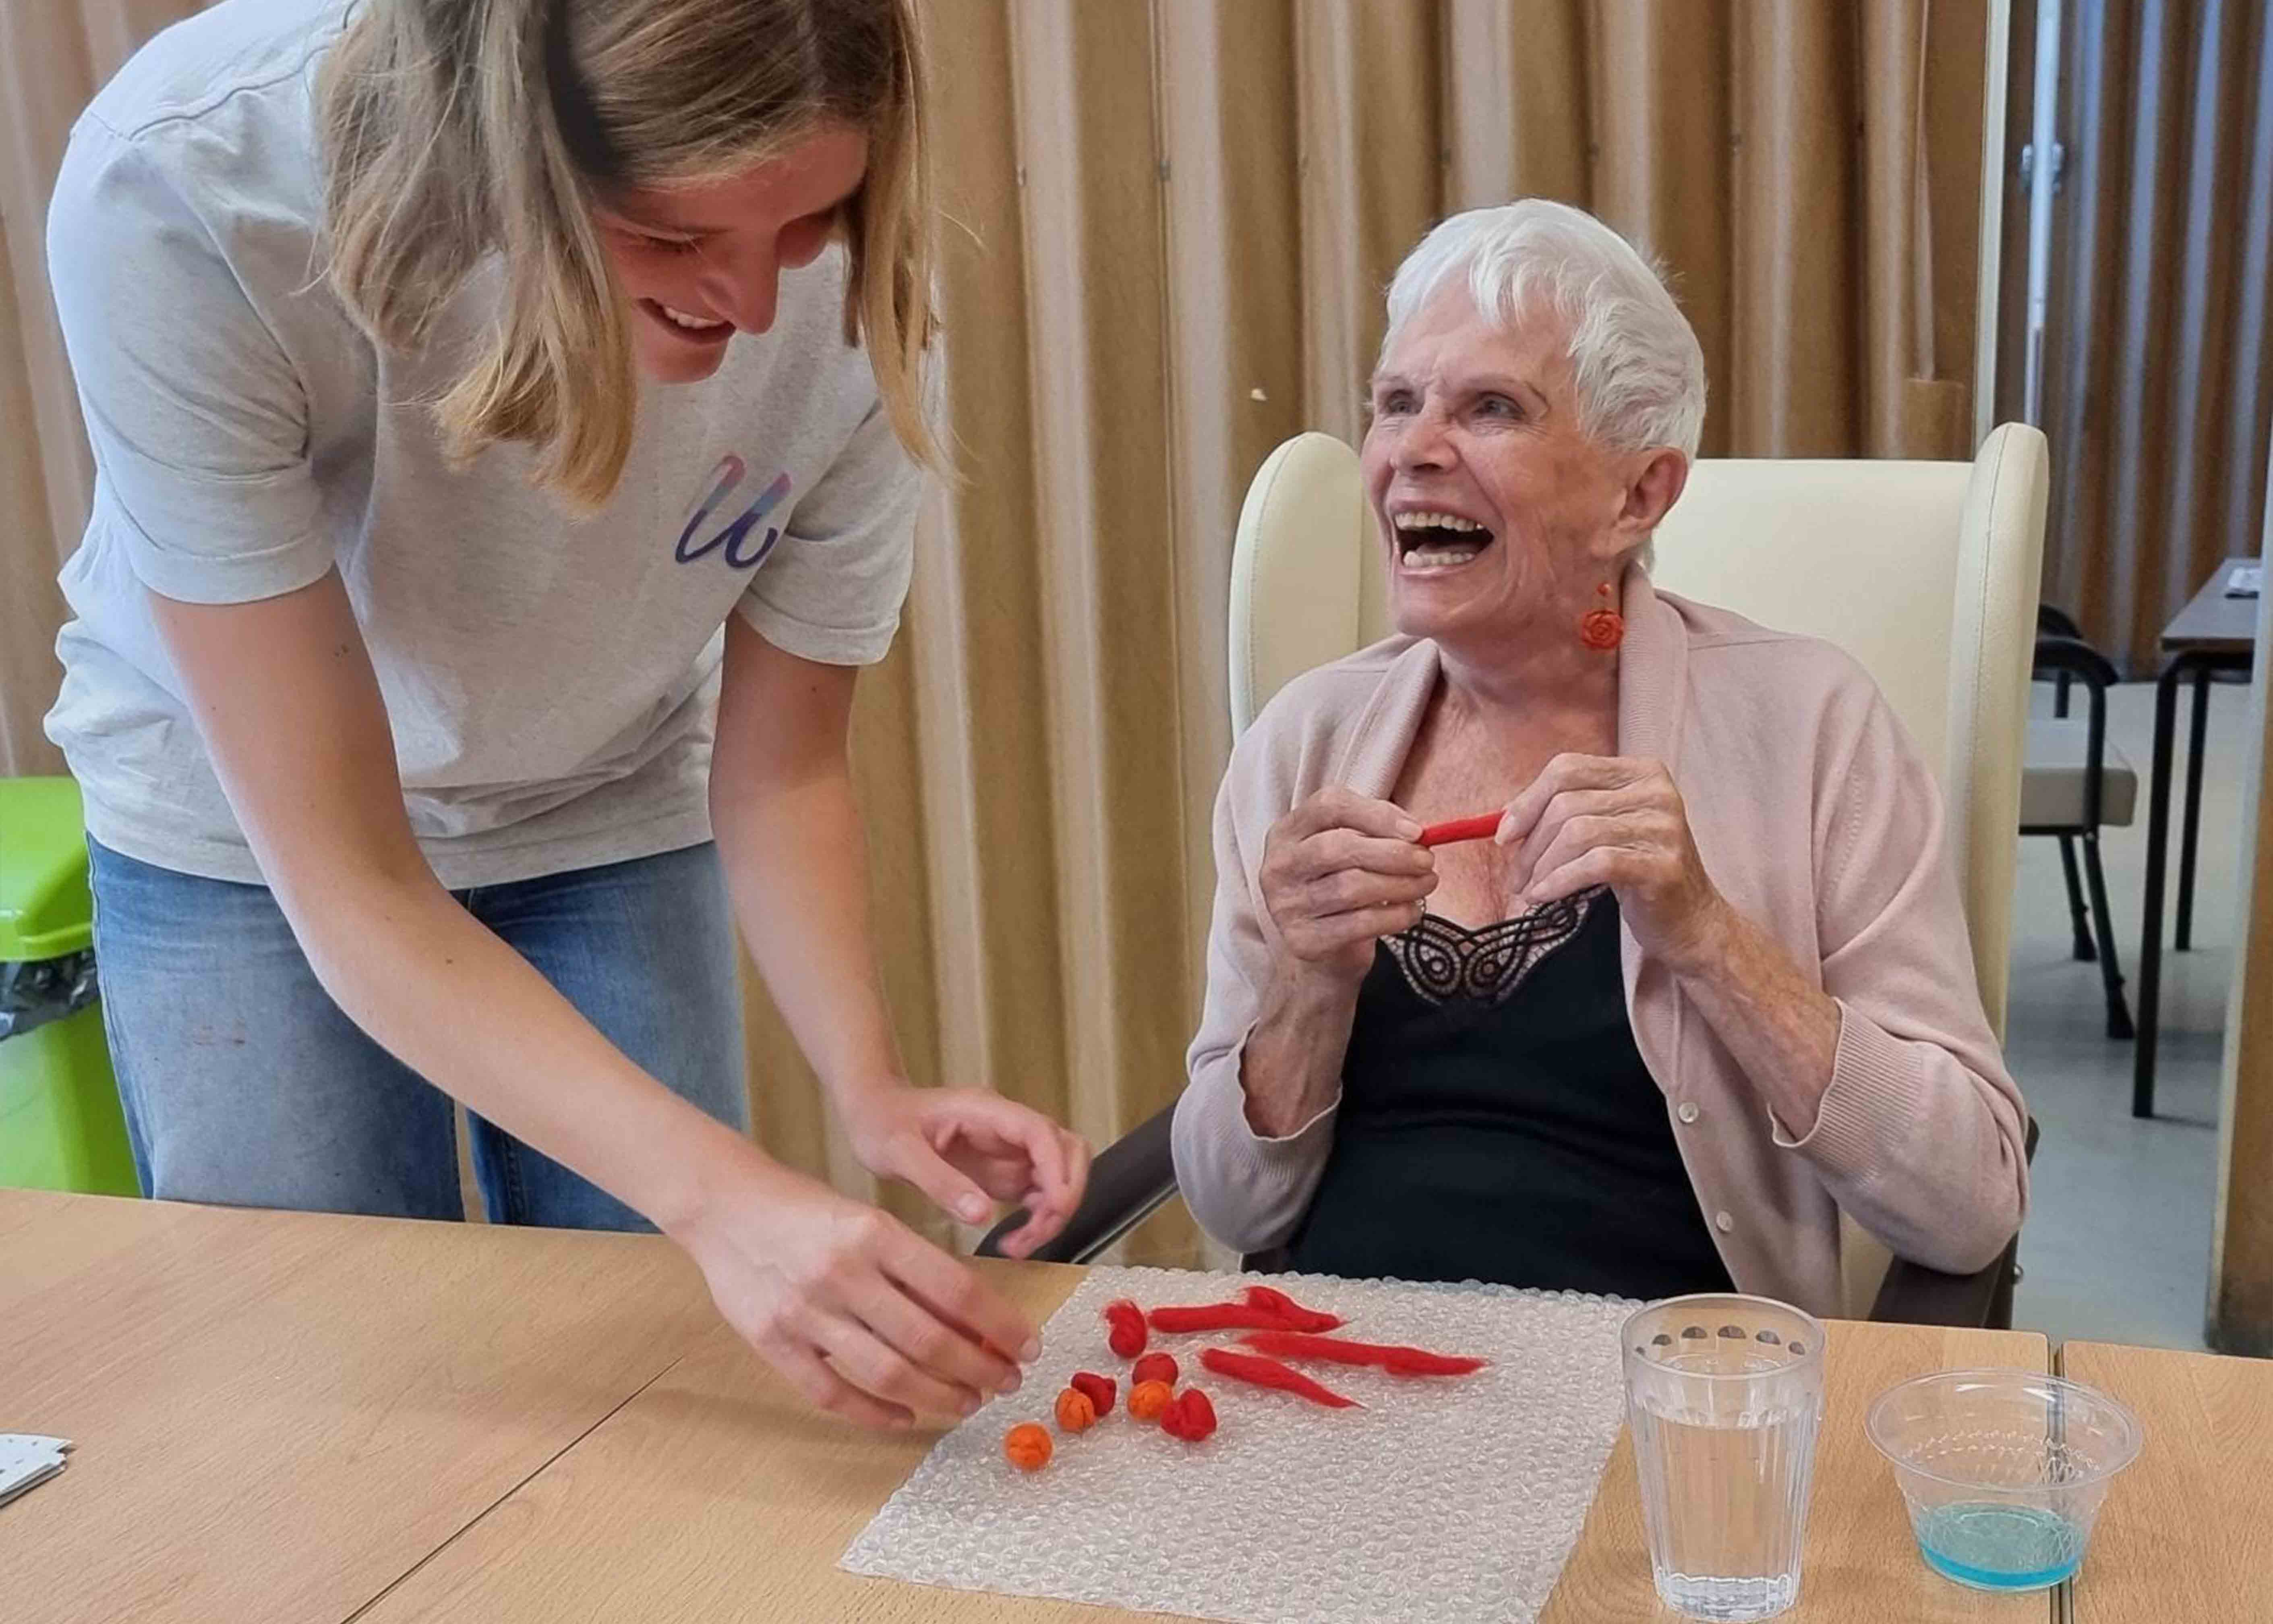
198, 419
831, 591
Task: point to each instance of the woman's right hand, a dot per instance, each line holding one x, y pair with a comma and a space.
1339, 872
865, 1318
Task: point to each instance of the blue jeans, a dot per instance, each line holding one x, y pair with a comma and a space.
244, 1085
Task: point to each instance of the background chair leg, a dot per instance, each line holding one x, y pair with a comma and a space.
2110, 975
2077, 916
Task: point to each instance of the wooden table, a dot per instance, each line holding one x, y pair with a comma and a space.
2213, 633
1860, 1562
714, 1494
315, 1418
2185, 1533
278, 1414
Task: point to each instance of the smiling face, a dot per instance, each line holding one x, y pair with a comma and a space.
701, 262
1500, 515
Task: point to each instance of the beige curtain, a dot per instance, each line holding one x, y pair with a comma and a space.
2159, 352
1170, 226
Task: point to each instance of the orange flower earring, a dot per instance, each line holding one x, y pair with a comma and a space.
1603, 627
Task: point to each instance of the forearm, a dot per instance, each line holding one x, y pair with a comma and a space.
1781, 1028
1254, 1128
796, 861
449, 999
1292, 1067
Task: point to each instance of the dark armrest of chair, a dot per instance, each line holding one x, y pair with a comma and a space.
2068, 659
2063, 656
2075, 657
1913, 1294
1129, 1179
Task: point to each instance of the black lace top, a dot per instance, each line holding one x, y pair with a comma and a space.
1497, 1123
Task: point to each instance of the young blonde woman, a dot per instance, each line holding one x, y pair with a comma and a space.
493, 402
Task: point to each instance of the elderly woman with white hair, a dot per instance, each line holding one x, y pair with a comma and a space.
1707, 983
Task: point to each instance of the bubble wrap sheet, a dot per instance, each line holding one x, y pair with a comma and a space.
1444, 1497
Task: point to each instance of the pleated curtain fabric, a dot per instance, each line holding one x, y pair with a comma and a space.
1169, 229
2158, 349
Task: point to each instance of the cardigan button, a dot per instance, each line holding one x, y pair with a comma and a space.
1686, 1110
1723, 1222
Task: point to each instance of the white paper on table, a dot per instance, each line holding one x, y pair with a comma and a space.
1444, 1497
26, 1459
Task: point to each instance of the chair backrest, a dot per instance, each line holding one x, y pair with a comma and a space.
1926, 572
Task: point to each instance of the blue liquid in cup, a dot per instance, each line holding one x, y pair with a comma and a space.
1996, 1547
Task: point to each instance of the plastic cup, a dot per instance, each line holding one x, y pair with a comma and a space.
2003, 1471
1723, 1396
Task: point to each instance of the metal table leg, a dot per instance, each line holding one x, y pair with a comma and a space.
2183, 937
2149, 1016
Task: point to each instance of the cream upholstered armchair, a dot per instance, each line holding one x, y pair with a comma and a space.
1924, 571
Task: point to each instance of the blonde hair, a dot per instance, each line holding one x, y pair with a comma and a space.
454, 128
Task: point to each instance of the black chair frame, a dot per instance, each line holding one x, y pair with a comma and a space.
2067, 661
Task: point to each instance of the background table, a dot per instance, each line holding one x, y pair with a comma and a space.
2186, 1533
2213, 633
315, 1418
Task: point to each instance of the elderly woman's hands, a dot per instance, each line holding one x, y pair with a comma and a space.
1617, 821
1339, 872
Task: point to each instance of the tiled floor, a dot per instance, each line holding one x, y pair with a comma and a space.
2117, 1244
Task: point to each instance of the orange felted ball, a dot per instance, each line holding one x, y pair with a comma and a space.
1077, 1410
1027, 1447
1148, 1401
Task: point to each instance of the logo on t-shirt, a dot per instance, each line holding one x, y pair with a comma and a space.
734, 534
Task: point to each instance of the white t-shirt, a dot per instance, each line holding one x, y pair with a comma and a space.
551, 681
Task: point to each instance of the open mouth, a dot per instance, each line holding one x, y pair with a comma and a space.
696, 329
1431, 541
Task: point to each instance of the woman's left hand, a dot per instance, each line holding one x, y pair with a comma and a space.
1617, 821
967, 1149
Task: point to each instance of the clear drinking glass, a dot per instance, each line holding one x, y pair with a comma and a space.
1723, 1396
2003, 1471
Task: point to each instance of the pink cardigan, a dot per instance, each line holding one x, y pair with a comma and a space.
1818, 819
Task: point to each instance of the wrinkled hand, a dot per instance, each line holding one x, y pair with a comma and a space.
1617, 821
863, 1317
1339, 872
967, 1149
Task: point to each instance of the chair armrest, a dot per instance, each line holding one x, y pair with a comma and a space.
1128, 1180
1912, 1293
2077, 658
2057, 623
2069, 657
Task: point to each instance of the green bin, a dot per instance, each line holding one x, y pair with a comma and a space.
61, 1127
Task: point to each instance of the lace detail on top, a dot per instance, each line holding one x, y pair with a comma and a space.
1442, 961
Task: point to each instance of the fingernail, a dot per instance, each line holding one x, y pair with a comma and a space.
1410, 830
1032, 1351
970, 1406
1011, 1383
972, 1209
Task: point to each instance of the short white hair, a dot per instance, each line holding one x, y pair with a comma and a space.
1641, 373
